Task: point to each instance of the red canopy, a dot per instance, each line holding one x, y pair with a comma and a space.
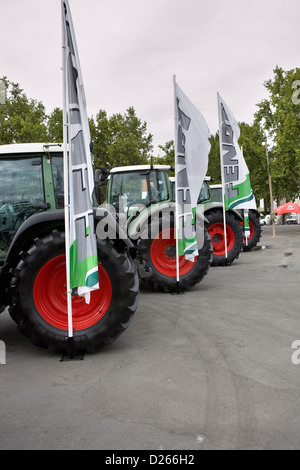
288, 207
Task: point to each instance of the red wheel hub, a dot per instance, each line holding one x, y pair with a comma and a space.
50, 298
163, 255
216, 232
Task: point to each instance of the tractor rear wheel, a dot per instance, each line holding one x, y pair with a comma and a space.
234, 237
159, 256
39, 301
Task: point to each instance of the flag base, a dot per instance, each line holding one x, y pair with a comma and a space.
177, 291
72, 354
71, 348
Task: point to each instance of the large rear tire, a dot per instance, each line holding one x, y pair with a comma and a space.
234, 237
159, 256
39, 302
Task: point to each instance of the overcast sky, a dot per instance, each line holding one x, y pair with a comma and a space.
130, 49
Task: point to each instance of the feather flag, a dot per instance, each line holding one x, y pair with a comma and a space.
237, 190
191, 160
83, 259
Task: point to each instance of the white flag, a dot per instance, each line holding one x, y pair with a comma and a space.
83, 248
237, 190
191, 161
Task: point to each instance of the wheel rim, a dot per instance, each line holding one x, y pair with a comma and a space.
216, 232
50, 298
251, 230
163, 255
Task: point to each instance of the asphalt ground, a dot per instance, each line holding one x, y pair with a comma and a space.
210, 369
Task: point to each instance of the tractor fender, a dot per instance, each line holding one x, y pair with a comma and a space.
44, 222
137, 221
35, 225
211, 206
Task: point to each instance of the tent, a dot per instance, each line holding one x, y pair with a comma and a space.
288, 207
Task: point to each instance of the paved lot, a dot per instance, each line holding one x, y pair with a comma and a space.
210, 369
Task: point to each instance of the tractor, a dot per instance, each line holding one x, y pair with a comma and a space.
214, 224
32, 256
254, 219
141, 197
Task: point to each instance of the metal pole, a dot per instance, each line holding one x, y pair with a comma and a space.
270, 185
66, 177
176, 196
222, 176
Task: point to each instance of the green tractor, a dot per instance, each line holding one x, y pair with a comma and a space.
213, 212
254, 219
32, 255
214, 224
142, 199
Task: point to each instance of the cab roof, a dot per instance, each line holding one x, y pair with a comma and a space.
122, 169
30, 148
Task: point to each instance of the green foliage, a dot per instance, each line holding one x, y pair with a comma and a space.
120, 140
280, 117
21, 119
168, 155
254, 152
55, 126
214, 163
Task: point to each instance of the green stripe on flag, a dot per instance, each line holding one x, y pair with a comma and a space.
245, 194
187, 246
79, 271
92, 279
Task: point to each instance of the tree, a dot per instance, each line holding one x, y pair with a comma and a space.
21, 119
254, 152
120, 140
279, 115
214, 163
168, 156
55, 126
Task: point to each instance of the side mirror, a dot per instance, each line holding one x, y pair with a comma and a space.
97, 176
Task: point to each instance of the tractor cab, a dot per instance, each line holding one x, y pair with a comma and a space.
133, 186
26, 170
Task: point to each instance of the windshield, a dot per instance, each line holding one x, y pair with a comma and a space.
138, 188
204, 193
21, 188
216, 194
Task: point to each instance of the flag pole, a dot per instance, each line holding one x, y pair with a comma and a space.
222, 177
245, 214
176, 197
66, 178
270, 184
